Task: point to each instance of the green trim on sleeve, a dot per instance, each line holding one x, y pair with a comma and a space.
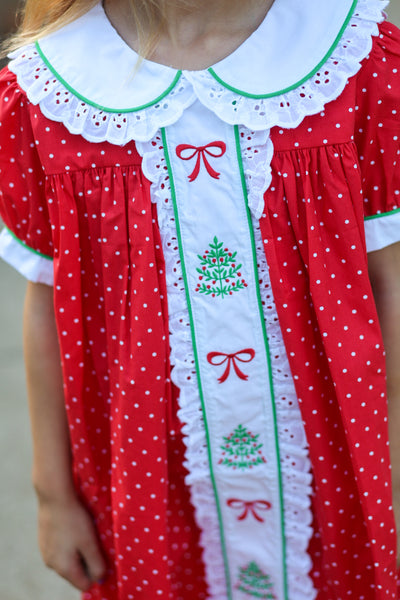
26, 246
98, 106
299, 83
385, 214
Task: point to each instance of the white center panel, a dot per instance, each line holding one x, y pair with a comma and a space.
230, 346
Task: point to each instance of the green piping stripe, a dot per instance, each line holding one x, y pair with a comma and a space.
210, 70
244, 186
26, 246
385, 214
299, 83
178, 230
104, 108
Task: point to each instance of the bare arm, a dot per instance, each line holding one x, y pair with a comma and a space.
51, 451
66, 534
384, 268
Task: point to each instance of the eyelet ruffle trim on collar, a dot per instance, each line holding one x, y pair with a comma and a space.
289, 109
95, 124
57, 103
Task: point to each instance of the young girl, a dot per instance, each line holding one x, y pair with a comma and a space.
195, 239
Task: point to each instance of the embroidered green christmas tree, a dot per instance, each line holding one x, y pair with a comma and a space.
255, 583
219, 272
242, 450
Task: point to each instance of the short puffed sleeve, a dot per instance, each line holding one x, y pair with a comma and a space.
26, 240
377, 136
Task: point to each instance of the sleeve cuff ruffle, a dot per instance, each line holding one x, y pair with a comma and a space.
32, 265
382, 230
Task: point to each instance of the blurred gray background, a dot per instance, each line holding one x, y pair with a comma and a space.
22, 576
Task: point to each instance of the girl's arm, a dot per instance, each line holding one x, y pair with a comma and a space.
67, 537
384, 269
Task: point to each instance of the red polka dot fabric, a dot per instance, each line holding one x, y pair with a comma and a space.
88, 206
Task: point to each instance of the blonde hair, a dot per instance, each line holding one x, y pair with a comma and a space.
38, 18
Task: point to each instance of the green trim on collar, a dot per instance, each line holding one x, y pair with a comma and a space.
104, 108
24, 245
299, 83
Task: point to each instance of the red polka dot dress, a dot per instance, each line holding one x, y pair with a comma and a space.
206, 234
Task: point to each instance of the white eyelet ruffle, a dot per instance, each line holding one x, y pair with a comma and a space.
295, 462
289, 109
292, 439
184, 372
286, 110
257, 152
59, 104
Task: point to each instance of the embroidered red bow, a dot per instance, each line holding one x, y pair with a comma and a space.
250, 507
214, 149
244, 356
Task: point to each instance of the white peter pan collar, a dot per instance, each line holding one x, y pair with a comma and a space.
257, 85
294, 38
292, 41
